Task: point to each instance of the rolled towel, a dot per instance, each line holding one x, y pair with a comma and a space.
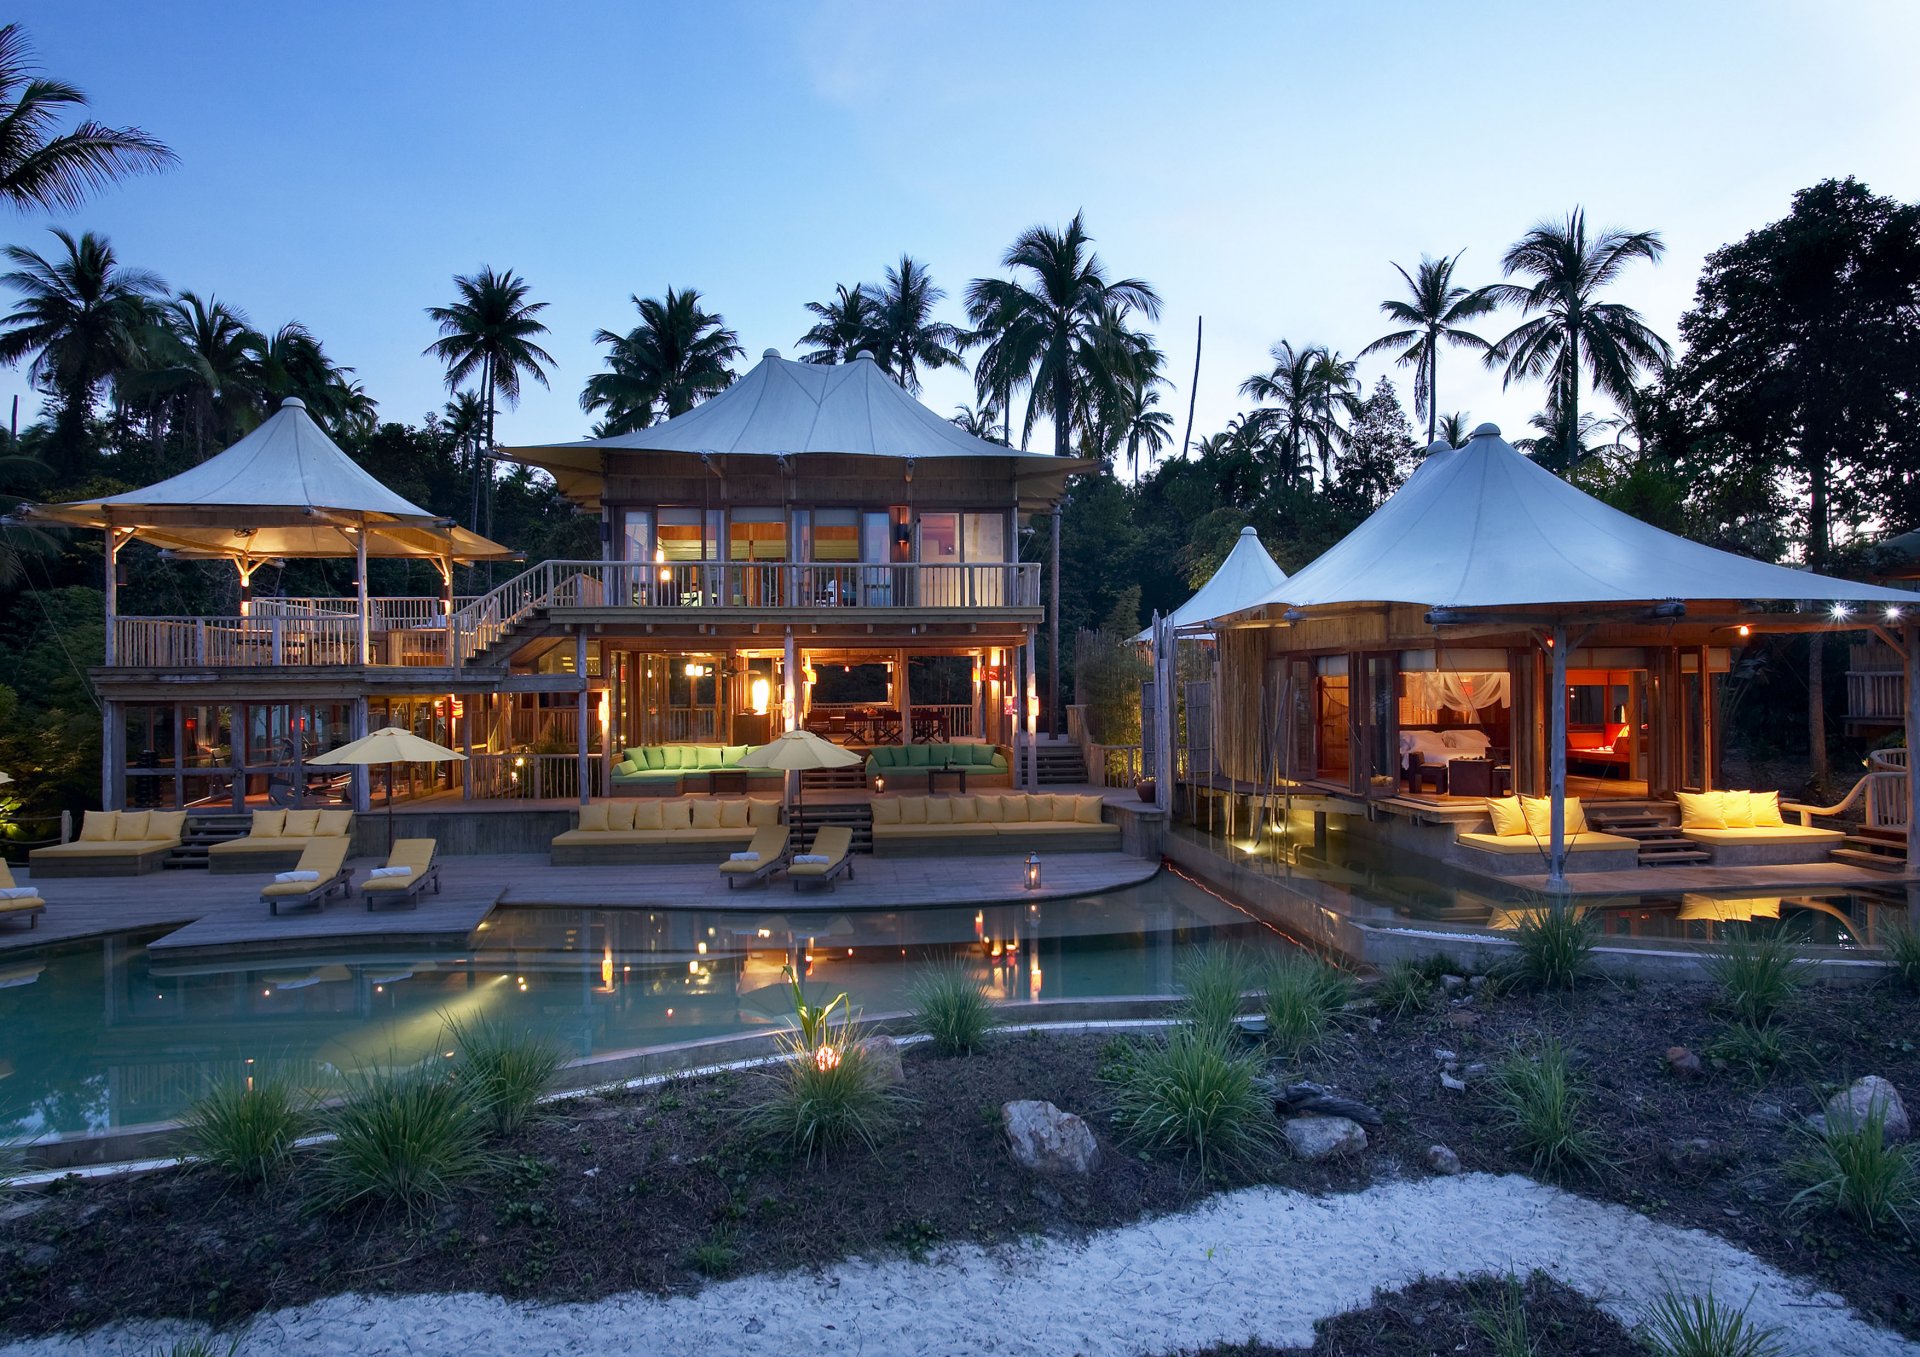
19, 892
290, 878
743, 857
381, 872
817, 859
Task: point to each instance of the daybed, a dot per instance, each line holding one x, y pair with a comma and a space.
1746, 829
409, 870
1018, 822
19, 902
831, 856
1521, 838
113, 843
760, 859
660, 769
277, 838
321, 871
984, 764
678, 829
1425, 755
1598, 746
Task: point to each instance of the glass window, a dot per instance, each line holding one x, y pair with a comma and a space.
757, 535
836, 535
683, 536
986, 537
939, 539
636, 535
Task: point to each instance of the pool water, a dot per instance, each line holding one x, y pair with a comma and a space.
100, 1033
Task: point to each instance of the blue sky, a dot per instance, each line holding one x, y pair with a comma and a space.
1261, 164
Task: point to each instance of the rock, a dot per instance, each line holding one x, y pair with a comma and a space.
883, 1053
1768, 1114
1442, 1160
1317, 1138
1476, 981
1683, 1064
1694, 1157
1461, 1017
1298, 1100
1449, 1082
1453, 984
1853, 1105
1047, 1140
1445, 1057
1477, 1067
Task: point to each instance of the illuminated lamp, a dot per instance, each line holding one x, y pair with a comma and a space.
1033, 871
761, 691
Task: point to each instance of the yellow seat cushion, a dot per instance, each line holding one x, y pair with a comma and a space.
913, 810
593, 817
763, 814
1015, 810
22, 902
302, 824
646, 814
1766, 810
1589, 842
131, 827
1509, 821
676, 814
733, 815
98, 826
939, 810
989, 810
1087, 810
1736, 808
1701, 810
886, 810
1538, 811
268, 824
620, 815
96, 848
334, 823
1806, 834
706, 815
166, 824
966, 809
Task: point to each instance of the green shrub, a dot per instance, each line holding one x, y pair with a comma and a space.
1762, 1051
1849, 1168
503, 1070
401, 1139
1554, 945
1213, 986
1304, 999
715, 1256
1503, 1322
1758, 975
1699, 1326
248, 1132
951, 1008
1195, 1093
1540, 1101
822, 1098
1405, 988
1902, 942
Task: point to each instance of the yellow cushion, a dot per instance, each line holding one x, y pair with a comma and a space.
1769, 834
913, 810
1508, 819
334, 823
166, 824
646, 813
939, 810
733, 815
1766, 810
98, 826
966, 809
302, 824
706, 815
593, 817
987, 810
1014, 810
675, 814
269, 824
762, 814
1736, 808
1538, 811
886, 810
1701, 810
131, 826
620, 815
1087, 810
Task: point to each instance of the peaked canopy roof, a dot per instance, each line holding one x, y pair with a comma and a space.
781, 408
1485, 527
286, 489
1245, 578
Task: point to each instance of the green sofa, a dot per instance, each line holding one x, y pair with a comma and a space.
661, 766
985, 764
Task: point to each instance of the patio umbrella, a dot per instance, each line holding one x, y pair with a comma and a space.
388, 745
798, 751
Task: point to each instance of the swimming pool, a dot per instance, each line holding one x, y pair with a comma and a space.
102, 1033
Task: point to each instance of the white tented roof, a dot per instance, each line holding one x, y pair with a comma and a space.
1246, 577
1485, 527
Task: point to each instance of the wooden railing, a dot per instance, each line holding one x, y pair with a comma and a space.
383, 614
1881, 795
233, 642
1876, 695
531, 777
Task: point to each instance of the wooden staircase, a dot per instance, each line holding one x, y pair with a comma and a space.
853, 777
1060, 765
203, 830
814, 816
1654, 825
1876, 852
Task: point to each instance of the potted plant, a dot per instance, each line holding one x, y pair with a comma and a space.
1148, 788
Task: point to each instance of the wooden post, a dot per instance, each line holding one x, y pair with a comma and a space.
585, 761
903, 696
112, 594
113, 767
790, 686
1164, 655
1913, 726
362, 779
1029, 700
1557, 762
360, 568
466, 744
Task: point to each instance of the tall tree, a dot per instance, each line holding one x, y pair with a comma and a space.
1454, 428
1571, 329
489, 334
905, 335
42, 167
677, 356
1380, 451
211, 366
1288, 410
1336, 394
1432, 314
843, 327
86, 321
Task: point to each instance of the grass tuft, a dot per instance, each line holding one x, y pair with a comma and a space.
247, 1132
1758, 974
1554, 946
1304, 1000
1903, 950
1213, 986
1850, 1169
1700, 1326
951, 1008
715, 1256
503, 1071
402, 1139
1194, 1093
1503, 1322
1405, 988
822, 1098
1762, 1050
1540, 1100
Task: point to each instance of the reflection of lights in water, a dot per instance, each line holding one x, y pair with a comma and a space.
701, 948
606, 968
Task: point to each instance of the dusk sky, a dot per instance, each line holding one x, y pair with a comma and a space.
1260, 164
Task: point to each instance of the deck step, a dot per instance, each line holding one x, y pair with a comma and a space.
1060, 764
201, 832
1860, 857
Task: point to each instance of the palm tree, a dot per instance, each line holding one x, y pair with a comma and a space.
41, 167
1454, 428
1288, 416
905, 334
845, 326
676, 357
86, 321
1336, 393
464, 417
982, 421
1573, 328
488, 333
1432, 314
213, 370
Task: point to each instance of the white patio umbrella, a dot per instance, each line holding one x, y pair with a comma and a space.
798, 751
388, 745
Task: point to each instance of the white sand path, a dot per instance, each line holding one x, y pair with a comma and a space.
1257, 1263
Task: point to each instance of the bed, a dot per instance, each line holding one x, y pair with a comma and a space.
1426, 754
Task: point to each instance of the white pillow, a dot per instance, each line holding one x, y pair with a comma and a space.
390, 872
290, 878
18, 893
818, 859
743, 857
1476, 740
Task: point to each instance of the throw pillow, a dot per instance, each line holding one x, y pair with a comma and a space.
1701, 810
593, 817
1766, 811
1508, 819
98, 826
269, 824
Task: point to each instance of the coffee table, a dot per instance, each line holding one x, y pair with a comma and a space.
959, 774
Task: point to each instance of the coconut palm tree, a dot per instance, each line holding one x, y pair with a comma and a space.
677, 356
1336, 394
86, 320
1431, 313
982, 421
1454, 428
211, 367
845, 326
464, 418
1288, 415
44, 168
1571, 329
906, 337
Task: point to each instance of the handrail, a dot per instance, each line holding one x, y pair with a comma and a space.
1883, 812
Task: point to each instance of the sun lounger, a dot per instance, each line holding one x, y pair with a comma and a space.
17, 906
416, 857
769, 850
835, 844
326, 859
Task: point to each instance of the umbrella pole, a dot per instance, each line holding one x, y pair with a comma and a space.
389, 810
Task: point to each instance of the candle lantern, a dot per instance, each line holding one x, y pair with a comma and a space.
1033, 871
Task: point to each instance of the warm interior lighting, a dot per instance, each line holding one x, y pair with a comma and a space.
660, 557
1745, 630
606, 968
693, 669
761, 690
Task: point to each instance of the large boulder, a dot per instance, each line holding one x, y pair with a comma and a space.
1315, 1138
882, 1053
1854, 1104
1047, 1140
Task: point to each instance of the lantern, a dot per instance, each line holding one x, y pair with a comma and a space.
1033, 871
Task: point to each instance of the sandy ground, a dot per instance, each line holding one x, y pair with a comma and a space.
1259, 1263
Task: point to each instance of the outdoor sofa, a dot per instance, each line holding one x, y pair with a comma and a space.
277, 838
985, 764
1747, 829
1521, 837
675, 829
1016, 822
113, 843
661, 769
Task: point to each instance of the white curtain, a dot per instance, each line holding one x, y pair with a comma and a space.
1462, 690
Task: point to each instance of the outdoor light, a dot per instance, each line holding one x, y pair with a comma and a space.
827, 1058
1033, 871
693, 669
1893, 612
1745, 630
879, 782
762, 695
1841, 612
660, 557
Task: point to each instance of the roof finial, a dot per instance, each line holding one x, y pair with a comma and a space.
1484, 431
771, 353
293, 403
863, 356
